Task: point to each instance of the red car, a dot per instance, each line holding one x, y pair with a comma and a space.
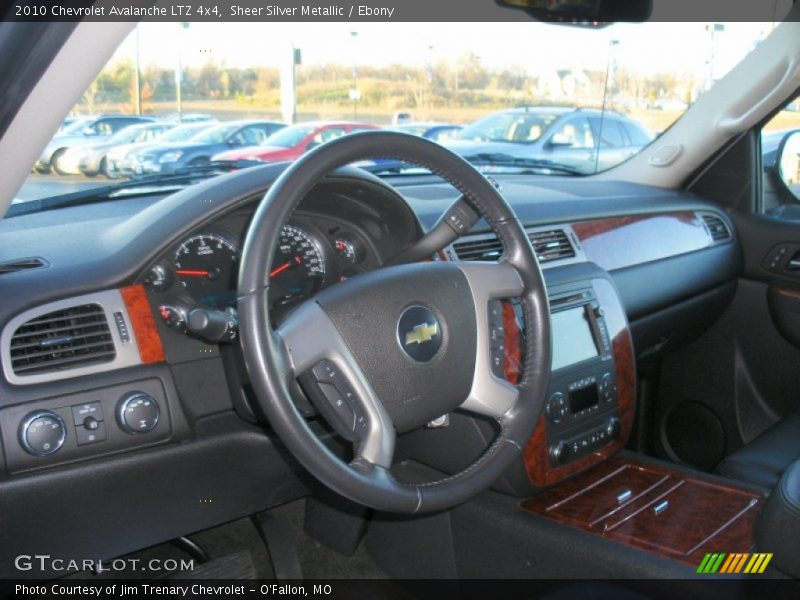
292, 142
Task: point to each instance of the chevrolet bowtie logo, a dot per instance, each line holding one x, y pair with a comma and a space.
422, 333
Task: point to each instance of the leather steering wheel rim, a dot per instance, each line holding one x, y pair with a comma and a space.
272, 358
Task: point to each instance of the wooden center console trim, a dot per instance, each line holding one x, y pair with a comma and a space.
616, 500
620, 242
151, 350
536, 454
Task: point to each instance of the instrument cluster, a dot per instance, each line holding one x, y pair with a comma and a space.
195, 284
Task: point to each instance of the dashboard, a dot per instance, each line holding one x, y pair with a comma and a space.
150, 263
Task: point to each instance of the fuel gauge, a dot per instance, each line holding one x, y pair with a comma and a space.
349, 249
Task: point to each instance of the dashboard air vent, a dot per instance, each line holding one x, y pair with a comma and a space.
552, 244
21, 264
488, 248
63, 339
549, 244
717, 228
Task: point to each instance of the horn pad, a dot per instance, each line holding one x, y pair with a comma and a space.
412, 329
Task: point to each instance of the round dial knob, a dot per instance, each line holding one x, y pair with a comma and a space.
556, 407
42, 432
137, 412
559, 452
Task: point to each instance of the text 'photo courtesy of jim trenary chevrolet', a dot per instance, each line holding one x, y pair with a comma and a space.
400, 300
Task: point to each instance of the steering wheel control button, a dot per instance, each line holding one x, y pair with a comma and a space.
42, 433
83, 411
419, 334
137, 412
335, 399
90, 432
344, 413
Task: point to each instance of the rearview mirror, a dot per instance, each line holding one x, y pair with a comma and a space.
787, 162
592, 13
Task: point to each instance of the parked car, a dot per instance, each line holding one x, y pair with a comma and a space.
294, 141
83, 132
570, 137
198, 150
119, 160
438, 132
90, 159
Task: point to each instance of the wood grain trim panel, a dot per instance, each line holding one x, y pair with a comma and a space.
536, 454
703, 515
151, 350
620, 242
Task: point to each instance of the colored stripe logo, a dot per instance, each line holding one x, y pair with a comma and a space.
735, 562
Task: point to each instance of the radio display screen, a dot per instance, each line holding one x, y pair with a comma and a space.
583, 398
573, 341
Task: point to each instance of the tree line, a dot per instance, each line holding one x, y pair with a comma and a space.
466, 82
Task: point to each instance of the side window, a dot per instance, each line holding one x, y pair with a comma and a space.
608, 132
250, 136
575, 133
104, 127
636, 134
780, 157
326, 135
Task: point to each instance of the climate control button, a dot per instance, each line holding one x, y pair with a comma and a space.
137, 412
42, 432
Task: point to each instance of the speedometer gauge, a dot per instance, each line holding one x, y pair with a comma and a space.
206, 265
298, 270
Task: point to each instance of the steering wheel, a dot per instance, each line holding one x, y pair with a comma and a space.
395, 348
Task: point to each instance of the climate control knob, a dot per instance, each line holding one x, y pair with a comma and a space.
559, 452
42, 432
137, 412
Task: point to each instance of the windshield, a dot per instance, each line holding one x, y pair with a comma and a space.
214, 135
128, 134
509, 127
289, 137
182, 133
514, 97
75, 127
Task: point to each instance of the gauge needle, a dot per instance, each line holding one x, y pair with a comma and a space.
279, 270
191, 273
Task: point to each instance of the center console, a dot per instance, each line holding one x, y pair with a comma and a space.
589, 407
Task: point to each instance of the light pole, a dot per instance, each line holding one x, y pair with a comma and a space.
138, 76
179, 74
355, 94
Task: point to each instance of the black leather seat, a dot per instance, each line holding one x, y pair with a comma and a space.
764, 460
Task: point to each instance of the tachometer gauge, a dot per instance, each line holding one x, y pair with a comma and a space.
207, 265
298, 270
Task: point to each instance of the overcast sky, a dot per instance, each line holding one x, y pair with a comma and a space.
681, 47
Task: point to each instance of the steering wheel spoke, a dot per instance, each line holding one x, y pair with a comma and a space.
330, 375
490, 395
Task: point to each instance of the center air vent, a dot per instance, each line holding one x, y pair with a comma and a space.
716, 227
64, 339
487, 248
549, 245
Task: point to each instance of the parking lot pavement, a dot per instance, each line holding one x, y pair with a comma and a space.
42, 186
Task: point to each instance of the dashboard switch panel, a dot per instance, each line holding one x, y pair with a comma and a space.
85, 424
